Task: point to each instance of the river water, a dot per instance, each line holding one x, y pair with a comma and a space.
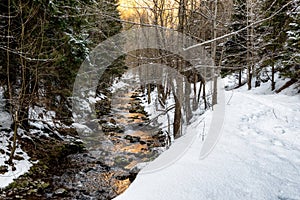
123, 142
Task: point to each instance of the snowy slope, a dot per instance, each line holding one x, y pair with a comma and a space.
22, 166
257, 156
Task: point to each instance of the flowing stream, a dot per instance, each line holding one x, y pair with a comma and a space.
123, 141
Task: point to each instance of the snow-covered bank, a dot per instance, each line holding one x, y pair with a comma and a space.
22, 165
257, 157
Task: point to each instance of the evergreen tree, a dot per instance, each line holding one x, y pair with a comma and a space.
42, 45
291, 56
47, 41
274, 34
235, 54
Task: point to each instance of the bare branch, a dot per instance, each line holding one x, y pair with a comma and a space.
238, 31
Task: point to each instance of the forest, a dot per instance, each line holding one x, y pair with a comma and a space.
92, 90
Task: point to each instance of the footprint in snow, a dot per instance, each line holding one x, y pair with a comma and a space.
245, 118
279, 130
276, 142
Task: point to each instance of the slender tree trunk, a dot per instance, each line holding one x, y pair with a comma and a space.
273, 78
240, 78
214, 49
188, 110
182, 15
14, 146
252, 17
8, 73
177, 118
199, 92
10, 90
249, 67
204, 96
149, 93
195, 104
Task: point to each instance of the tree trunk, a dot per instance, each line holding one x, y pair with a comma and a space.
213, 55
249, 63
177, 118
188, 110
195, 80
240, 77
204, 97
149, 92
273, 78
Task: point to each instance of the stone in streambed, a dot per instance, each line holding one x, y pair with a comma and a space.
132, 139
110, 127
60, 192
142, 142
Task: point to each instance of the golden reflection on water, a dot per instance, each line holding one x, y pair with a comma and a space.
144, 135
117, 146
135, 148
122, 185
119, 186
130, 118
131, 165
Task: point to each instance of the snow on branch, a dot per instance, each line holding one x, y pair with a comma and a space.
238, 31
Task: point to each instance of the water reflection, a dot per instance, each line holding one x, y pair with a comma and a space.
123, 149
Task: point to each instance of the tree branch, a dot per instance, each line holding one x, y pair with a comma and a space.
238, 31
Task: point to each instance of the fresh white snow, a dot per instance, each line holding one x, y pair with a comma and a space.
22, 166
257, 156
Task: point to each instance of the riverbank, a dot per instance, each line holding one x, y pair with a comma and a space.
257, 156
99, 164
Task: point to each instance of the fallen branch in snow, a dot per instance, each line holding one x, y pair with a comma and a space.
274, 113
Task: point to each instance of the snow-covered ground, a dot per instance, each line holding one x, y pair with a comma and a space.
21, 166
257, 156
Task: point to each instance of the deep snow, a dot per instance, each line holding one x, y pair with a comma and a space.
257, 156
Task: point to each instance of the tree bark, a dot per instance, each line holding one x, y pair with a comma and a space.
213, 55
177, 118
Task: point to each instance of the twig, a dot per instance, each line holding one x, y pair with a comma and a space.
274, 113
230, 98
